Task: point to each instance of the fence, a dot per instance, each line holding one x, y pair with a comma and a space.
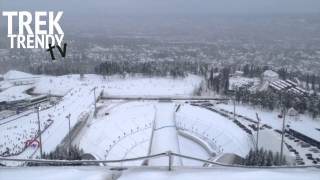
168, 154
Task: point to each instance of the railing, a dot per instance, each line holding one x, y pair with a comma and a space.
168, 154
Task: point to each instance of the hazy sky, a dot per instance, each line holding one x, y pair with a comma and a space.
167, 6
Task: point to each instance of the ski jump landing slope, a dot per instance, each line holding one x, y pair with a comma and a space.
165, 135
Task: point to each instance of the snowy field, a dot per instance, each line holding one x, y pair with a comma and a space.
153, 86
115, 85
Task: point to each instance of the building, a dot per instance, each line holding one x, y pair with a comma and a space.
21, 105
238, 73
3, 105
292, 112
270, 76
20, 78
287, 86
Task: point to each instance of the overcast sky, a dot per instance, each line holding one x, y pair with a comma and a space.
166, 6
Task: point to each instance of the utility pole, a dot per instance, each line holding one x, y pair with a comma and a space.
258, 129
95, 101
283, 132
69, 135
39, 129
234, 106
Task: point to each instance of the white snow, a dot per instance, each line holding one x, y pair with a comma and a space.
55, 173
165, 137
12, 75
239, 81
59, 86
122, 129
125, 132
270, 74
222, 174
264, 142
227, 137
5, 85
15, 93
305, 124
193, 149
152, 86
185, 173
78, 99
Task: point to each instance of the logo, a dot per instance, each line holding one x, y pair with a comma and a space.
40, 29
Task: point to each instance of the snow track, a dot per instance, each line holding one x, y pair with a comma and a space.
165, 137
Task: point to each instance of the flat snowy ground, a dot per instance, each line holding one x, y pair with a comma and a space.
153, 86
304, 123
185, 173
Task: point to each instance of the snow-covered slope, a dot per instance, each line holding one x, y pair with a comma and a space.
121, 131
11, 75
165, 135
15, 93
227, 137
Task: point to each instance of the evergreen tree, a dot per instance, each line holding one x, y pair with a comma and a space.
269, 161
262, 157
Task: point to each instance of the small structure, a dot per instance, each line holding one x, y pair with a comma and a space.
32, 143
3, 105
230, 158
20, 78
270, 76
238, 73
293, 114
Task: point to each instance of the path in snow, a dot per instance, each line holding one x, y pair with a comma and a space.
165, 137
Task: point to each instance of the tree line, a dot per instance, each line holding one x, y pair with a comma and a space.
263, 157
152, 68
218, 80
61, 153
